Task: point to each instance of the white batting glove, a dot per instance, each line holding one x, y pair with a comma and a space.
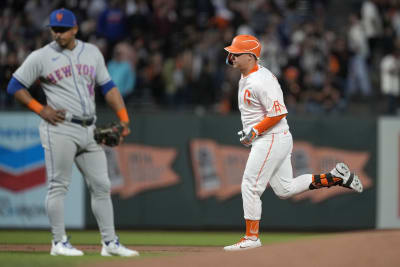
247, 138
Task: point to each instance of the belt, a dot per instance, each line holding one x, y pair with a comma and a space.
84, 123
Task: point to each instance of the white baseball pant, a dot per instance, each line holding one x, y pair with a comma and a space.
270, 161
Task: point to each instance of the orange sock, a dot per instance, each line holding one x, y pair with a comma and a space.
324, 180
252, 228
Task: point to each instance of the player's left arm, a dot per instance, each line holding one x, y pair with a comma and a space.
116, 102
274, 107
111, 92
268, 123
272, 100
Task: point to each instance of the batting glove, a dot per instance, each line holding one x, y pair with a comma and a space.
247, 139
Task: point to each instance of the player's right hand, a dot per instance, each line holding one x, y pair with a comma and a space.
247, 138
52, 116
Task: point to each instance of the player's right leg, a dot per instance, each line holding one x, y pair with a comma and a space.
59, 150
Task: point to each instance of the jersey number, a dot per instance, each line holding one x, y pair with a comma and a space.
246, 95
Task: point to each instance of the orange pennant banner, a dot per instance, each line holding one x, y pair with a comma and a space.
141, 168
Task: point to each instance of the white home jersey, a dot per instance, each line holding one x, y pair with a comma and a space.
260, 96
68, 77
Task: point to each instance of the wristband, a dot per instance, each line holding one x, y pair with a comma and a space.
35, 106
123, 115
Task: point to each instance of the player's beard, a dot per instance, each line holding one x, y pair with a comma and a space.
63, 43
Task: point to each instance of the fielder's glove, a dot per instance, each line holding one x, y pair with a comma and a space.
109, 135
247, 139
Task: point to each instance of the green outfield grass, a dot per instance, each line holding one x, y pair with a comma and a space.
128, 238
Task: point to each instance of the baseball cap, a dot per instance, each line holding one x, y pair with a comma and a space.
62, 18
245, 44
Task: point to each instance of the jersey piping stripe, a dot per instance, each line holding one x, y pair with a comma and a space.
51, 175
80, 52
266, 158
76, 87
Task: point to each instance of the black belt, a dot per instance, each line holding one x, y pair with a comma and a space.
83, 123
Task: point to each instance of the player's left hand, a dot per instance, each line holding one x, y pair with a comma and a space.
247, 139
126, 131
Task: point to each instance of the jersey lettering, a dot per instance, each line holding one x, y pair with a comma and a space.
51, 78
278, 107
66, 71
90, 87
58, 74
79, 66
246, 95
85, 69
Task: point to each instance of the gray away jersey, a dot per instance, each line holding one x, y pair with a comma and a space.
67, 77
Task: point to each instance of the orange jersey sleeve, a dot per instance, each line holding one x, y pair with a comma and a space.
267, 123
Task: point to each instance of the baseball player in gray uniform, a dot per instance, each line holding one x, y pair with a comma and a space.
68, 70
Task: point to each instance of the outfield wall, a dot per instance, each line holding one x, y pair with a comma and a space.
23, 184
388, 187
182, 171
200, 185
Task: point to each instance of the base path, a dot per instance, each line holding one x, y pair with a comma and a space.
353, 249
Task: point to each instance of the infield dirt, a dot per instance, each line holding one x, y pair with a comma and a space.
352, 249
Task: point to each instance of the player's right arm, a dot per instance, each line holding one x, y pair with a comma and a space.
46, 112
26, 75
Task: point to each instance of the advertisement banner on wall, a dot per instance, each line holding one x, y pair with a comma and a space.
388, 199
23, 184
218, 169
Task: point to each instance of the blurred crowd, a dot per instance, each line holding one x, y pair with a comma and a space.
168, 54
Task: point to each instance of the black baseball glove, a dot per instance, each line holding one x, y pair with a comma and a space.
108, 135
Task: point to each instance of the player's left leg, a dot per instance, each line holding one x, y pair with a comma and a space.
93, 165
283, 183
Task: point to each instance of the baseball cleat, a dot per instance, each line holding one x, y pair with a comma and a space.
244, 244
114, 248
350, 180
64, 248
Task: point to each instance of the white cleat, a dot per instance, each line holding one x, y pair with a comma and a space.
350, 180
64, 248
244, 244
114, 248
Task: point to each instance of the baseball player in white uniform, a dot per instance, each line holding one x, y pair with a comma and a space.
266, 130
68, 70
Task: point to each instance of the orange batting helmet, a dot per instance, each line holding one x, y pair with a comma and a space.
242, 44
